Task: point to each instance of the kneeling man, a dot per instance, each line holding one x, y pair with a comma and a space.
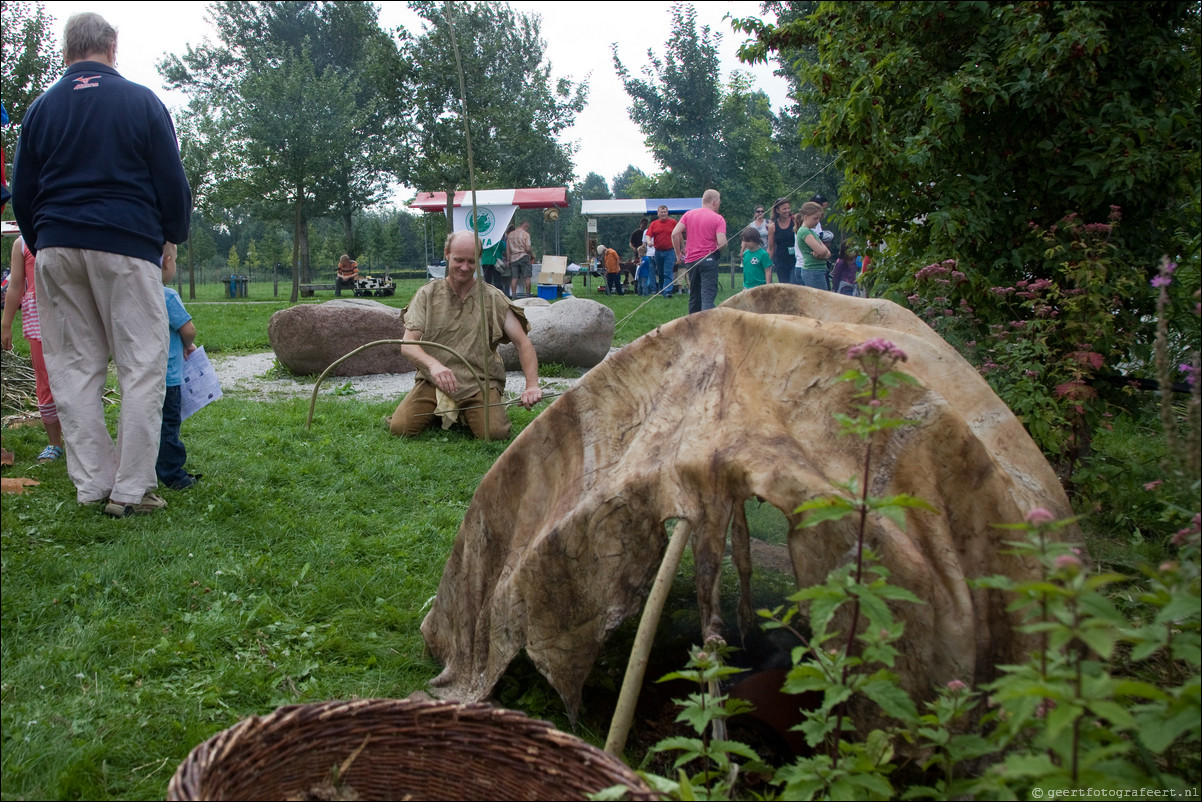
447, 311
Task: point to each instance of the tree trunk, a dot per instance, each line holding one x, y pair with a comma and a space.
296, 229
450, 218
191, 273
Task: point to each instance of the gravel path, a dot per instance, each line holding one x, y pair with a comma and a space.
247, 377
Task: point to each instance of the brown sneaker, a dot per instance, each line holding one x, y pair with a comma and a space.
149, 503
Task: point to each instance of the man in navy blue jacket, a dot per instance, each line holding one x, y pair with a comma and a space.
100, 195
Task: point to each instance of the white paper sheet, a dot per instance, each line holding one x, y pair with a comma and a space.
201, 385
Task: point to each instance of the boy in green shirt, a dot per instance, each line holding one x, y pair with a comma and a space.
757, 264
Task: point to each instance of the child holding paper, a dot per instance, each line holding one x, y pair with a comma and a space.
172, 455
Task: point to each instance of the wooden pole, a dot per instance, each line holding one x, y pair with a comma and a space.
640, 652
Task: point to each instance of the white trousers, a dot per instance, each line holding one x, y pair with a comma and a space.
92, 305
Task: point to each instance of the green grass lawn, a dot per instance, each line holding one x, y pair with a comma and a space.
298, 570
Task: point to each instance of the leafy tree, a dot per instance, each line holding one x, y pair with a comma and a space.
516, 111
677, 102
252, 256
299, 90
29, 61
625, 184
705, 134
201, 148
1012, 138
804, 169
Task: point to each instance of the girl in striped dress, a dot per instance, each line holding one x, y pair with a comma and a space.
21, 296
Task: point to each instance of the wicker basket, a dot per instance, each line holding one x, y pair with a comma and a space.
397, 749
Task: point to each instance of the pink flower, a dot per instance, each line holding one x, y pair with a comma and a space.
1068, 561
956, 686
878, 347
1153, 484
1039, 515
1161, 281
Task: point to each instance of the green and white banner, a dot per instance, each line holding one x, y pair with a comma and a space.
490, 222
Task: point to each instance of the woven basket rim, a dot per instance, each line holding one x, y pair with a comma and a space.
443, 743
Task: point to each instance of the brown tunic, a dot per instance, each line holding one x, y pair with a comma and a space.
436, 311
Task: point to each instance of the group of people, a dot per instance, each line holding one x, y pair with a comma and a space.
691, 243
797, 249
793, 247
101, 199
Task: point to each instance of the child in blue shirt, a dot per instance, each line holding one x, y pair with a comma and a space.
172, 455
646, 272
757, 264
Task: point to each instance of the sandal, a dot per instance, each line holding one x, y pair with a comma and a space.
50, 454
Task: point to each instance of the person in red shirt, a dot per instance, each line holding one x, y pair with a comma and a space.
659, 233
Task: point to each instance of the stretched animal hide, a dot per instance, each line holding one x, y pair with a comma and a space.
690, 421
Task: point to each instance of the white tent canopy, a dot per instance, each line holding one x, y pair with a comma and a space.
636, 207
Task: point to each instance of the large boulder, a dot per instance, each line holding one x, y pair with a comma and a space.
574, 331
564, 534
310, 337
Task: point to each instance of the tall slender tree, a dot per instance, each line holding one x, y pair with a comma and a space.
704, 133
516, 111
28, 62
303, 91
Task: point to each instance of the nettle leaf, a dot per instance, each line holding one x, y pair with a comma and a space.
893, 700
1100, 640
1119, 717
735, 748
1180, 608
679, 742
699, 716
831, 508
1157, 732
1061, 717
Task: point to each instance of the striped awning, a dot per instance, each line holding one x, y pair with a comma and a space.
533, 198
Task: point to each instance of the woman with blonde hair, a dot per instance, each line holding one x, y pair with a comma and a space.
812, 252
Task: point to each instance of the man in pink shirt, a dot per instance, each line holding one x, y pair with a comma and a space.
697, 238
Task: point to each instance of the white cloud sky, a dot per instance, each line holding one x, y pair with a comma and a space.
578, 36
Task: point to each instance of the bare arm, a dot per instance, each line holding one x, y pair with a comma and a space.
771, 244
443, 377
820, 250
678, 240
187, 335
527, 357
721, 237
12, 299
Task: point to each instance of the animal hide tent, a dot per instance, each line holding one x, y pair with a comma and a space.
563, 537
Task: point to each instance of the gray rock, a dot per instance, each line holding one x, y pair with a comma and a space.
574, 331
308, 338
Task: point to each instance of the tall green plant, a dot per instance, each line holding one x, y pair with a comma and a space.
1080, 713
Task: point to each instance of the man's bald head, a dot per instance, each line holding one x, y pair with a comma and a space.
456, 236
